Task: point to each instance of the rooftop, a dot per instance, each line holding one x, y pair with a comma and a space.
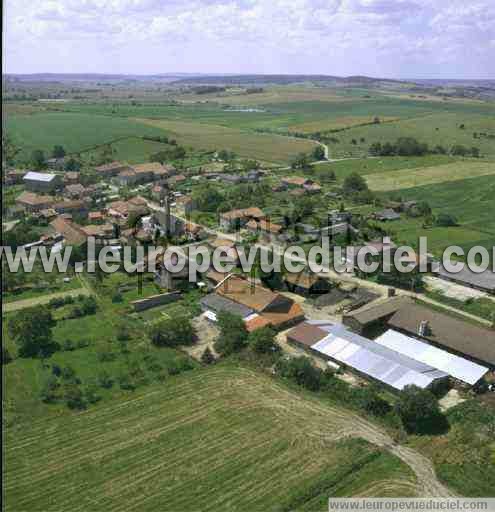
39, 176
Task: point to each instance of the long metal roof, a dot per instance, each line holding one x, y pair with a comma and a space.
373, 359
39, 176
456, 366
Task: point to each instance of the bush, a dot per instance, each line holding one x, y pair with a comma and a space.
302, 372
171, 332
419, 411
105, 380
207, 356
233, 334
126, 383
6, 357
262, 341
74, 397
117, 297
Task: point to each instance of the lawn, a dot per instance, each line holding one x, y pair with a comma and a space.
216, 439
77, 132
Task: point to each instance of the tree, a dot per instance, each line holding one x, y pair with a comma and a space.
459, 150
233, 334
207, 197
72, 165
172, 331
58, 152
446, 220
318, 153
418, 410
301, 371
300, 161
475, 152
31, 329
6, 357
376, 120
262, 341
354, 183
207, 356
38, 159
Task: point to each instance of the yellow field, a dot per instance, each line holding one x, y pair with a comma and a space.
409, 178
265, 147
336, 123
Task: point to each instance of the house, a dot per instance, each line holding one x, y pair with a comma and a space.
258, 306
239, 218
386, 215
164, 171
14, 177
122, 209
103, 233
41, 181
344, 348
233, 179
55, 163
306, 283
111, 169
227, 248
167, 279
71, 177
313, 188
186, 204
176, 180
266, 229
214, 278
461, 338
158, 192
72, 206
146, 172
31, 203
377, 246
74, 191
47, 214
127, 178
96, 217
483, 281
70, 231
296, 182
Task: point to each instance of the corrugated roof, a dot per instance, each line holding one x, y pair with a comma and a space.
456, 366
372, 359
377, 311
460, 336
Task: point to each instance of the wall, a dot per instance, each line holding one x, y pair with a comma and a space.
156, 300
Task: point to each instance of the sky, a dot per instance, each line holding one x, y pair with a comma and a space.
381, 38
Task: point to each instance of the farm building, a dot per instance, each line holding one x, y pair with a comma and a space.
483, 281
111, 169
266, 308
386, 215
369, 316
305, 283
456, 336
457, 367
334, 342
239, 218
32, 203
41, 181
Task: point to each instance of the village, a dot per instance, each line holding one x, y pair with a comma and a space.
365, 330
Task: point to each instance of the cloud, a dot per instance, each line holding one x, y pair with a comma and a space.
378, 37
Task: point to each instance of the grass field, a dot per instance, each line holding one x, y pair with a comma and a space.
469, 200
458, 171
435, 129
132, 150
216, 439
76, 132
265, 147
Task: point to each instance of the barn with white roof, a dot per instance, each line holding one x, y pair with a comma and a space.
41, 181
457, 367
336, 343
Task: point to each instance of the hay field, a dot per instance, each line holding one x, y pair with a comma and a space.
265, 147
401, 179
217, 439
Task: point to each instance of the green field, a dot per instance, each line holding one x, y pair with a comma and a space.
469, 200
76, 132
214, 439
434, 129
